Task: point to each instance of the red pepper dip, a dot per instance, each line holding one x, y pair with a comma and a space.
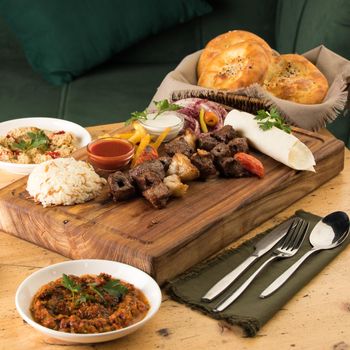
110, 153
88, 304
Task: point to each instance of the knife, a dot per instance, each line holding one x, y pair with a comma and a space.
261, 247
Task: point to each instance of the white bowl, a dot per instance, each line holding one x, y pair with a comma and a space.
156, 125
138, 278
53, 124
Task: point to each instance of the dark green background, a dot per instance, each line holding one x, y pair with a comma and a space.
126, 82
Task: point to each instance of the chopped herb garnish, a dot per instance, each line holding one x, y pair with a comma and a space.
71, 285
161, 106
37, 140
83, 298
115, 288
96, 290
269, 119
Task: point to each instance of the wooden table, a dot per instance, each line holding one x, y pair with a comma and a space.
318, 317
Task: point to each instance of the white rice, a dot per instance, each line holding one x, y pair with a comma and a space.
64, 181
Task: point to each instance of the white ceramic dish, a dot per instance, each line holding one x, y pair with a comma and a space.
156, 125
138, 278
52, 124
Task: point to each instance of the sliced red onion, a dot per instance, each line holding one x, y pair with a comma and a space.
191, 109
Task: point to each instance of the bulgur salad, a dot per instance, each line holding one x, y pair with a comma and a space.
31, 145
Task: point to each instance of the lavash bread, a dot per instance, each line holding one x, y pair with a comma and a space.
226, 41
292, 77
227, 66
238, 66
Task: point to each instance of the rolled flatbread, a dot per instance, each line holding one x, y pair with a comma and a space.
277, 144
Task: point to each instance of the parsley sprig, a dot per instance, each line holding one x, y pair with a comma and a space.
71, 285
112, 287
161, 106
269, 119
37, 140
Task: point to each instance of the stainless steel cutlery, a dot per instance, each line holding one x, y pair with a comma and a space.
287, 247
261, 248
329, 232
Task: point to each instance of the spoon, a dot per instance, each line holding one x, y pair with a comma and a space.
328, 233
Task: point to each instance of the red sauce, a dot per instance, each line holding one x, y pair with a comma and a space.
109, 153
110, 148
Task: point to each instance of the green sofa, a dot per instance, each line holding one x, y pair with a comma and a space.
126, 82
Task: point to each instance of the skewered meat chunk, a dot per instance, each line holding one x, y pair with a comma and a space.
147, 174
156, 166
225, 134
179, 145
207, 142
182, 166
204, 161
158, 195
221, 150
120, 186
239, 144
175, 186
230, 167
147, 179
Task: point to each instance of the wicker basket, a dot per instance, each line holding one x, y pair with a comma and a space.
228, 99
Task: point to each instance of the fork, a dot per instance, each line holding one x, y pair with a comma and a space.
287, 247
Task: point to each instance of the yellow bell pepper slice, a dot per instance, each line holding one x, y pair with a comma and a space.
143, 144
202, 121
161, 138
138, 134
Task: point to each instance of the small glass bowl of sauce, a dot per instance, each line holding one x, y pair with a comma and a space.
110, 153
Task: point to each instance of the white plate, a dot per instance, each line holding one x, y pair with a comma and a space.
138, 278
52, 124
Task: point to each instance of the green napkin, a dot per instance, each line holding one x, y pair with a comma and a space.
249, 311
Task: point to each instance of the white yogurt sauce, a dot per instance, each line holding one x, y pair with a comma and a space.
162, 121
156, 125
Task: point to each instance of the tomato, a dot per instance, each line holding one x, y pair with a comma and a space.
250, 163
149, 153
53, 154
210, 118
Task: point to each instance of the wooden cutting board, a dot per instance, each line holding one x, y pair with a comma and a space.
166, 242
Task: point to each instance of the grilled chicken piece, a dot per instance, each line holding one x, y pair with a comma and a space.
175, 186
190, 138
182, 166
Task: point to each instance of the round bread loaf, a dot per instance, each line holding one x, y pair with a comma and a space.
224, 42
292, 77
238, 66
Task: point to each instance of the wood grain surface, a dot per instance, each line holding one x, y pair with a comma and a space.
161, 242
318, 317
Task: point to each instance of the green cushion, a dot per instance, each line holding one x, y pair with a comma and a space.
63, 38
24, 94
111, 92
173, 44
304, 24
